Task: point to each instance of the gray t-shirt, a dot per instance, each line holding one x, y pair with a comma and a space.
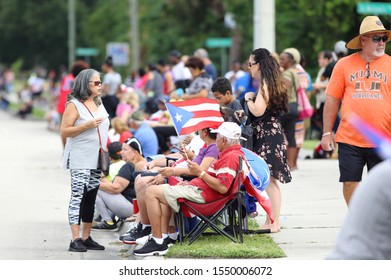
114, 80
366, 231
82, 150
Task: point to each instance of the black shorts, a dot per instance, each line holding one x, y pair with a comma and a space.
352, 160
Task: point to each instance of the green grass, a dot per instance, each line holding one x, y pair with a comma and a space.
256, 246
36, 114
310, 144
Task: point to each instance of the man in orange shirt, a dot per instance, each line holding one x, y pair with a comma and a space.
361, 82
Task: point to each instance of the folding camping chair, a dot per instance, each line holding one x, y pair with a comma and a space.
210, 214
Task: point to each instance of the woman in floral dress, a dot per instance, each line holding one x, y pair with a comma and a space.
264, 107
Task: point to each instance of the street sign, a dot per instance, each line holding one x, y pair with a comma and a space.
374, 8
86, 52
119, 52
218, 42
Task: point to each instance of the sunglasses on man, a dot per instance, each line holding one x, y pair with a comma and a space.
377, 38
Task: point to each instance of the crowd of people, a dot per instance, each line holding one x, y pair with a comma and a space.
129, 118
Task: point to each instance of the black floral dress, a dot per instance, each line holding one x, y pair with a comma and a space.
269, 144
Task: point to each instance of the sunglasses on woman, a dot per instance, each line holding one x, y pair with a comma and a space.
96, 83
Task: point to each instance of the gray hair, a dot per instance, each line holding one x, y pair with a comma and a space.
231, 141
201, 53
81, 87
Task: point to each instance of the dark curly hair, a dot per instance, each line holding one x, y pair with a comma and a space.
271, 75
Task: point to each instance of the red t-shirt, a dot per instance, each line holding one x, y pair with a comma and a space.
224, 169
65, 89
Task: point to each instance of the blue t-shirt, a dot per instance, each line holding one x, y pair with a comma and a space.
148, 140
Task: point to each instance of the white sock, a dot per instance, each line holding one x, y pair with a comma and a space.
144, 226
173, 236
158, 240
164, 235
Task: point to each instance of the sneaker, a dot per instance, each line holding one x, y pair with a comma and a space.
77, 246
169, 241
151, 248
90, 244
143, 240
104, 226
136, 233
138, 227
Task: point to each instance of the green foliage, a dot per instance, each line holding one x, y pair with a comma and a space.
36, 32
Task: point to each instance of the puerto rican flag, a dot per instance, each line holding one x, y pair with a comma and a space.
194, 114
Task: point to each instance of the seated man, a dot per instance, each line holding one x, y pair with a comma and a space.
210, 185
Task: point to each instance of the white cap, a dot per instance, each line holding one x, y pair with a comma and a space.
339, 47
229, 130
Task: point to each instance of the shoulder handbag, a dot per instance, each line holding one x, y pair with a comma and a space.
304, 107
104, 159
247, 129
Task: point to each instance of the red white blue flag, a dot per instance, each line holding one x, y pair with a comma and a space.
379, 139
194, 114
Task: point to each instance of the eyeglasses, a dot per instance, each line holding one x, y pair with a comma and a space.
96, 83
367, 71
377, 38
251, 63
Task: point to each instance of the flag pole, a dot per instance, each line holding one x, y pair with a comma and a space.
180, 141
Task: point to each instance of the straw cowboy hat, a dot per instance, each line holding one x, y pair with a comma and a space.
370, 24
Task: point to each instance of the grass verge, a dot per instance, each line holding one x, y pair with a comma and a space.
257, 246
310, 144
254, 246
37, 113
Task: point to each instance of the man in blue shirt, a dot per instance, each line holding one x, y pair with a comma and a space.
144, 134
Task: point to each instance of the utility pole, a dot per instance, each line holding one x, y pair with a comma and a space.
71, 32
264, 25
134, 38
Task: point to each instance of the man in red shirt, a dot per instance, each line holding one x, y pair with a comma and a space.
208, 186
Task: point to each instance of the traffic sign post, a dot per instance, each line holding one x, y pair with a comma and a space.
86, 52
218, 42
221, 43
374, 8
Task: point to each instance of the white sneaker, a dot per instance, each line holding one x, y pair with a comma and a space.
142, 240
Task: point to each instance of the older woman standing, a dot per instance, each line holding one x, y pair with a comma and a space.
265, 107
83, 118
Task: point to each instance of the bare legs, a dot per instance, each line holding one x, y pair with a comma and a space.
348, 189
274, 193
86, 231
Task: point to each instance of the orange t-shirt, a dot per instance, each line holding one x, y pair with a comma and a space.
369, 98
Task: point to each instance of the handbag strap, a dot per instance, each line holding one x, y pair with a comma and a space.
97, 128
294, 82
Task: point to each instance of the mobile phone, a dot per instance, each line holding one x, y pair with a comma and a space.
176, 148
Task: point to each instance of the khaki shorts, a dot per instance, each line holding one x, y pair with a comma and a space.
172, 193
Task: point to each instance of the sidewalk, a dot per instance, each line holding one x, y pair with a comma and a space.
34, 196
